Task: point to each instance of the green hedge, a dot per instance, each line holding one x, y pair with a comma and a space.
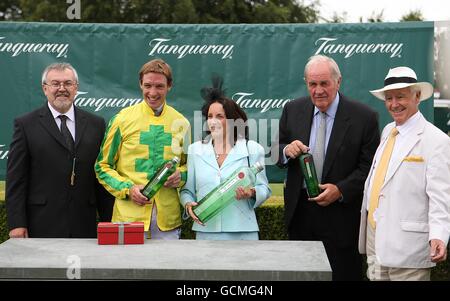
271, 226
3, 225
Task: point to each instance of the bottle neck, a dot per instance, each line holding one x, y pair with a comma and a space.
255, 169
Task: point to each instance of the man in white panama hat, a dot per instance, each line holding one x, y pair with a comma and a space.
405, 216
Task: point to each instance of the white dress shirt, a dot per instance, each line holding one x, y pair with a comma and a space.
331, 114
403, 134
70, 119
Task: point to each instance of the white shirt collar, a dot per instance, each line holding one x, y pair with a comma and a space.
409, 124
159, 110
70, 114
332, 109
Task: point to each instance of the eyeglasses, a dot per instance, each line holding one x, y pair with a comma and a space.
66, 85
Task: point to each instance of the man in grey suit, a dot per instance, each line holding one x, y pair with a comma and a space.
51, 188
342, 135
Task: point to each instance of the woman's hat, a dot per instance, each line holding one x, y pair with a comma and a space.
402, 77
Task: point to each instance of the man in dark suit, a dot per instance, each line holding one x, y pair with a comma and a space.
342, 135
51, 188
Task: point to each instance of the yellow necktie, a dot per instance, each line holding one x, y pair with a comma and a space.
380, 174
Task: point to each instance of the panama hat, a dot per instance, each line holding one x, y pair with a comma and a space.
402, 77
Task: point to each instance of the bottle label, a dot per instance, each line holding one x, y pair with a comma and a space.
308, 169
163, 172
230, 184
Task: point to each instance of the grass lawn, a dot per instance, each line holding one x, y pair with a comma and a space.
277, 189
2, 190
277, 195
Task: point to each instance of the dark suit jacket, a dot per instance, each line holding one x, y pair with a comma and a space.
353, 141
38, 191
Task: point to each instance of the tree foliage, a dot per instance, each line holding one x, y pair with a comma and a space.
180, 11
414, 15
376, 17
163, 11
336, 18
10, 10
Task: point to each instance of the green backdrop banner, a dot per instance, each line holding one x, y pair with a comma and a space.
262, 65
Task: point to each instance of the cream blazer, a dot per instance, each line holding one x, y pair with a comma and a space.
414, 204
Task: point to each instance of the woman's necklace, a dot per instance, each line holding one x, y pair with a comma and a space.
218, 155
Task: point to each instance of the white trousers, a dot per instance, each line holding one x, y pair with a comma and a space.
377, 272
155, 233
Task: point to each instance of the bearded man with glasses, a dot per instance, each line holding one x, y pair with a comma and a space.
51, 188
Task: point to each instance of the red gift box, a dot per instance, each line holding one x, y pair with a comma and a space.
120, 233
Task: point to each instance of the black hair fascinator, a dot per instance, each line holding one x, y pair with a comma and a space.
216, 91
